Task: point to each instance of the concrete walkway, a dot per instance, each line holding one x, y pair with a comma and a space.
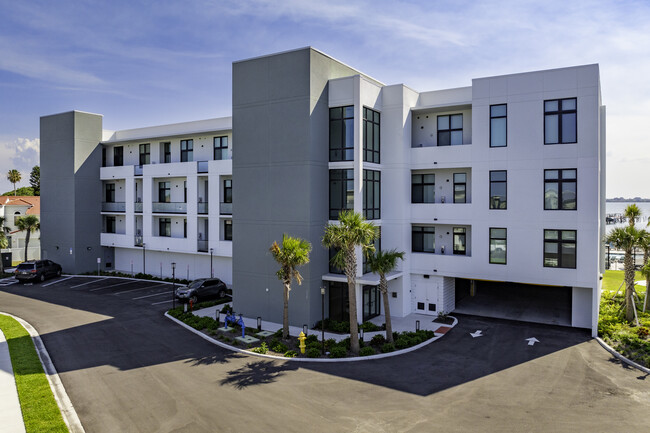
399, 324
11, 417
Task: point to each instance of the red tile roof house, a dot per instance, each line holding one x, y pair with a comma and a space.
11, 208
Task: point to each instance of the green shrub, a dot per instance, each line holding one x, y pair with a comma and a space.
329, 343
367, 351
402, 342
313, 352
314, 345
378, 340
262, 349
279, 347
345, 343
369, 327
388, 347
338, 352
311, 339
290, 354
278, 333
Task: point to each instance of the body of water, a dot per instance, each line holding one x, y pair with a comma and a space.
619, 208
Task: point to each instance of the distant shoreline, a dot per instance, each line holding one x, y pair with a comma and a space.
627, 200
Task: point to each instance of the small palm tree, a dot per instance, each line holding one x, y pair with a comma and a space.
383, 262
632, 212
4, 242
294, 252
14, 177
626, 239
30, 224
351, 231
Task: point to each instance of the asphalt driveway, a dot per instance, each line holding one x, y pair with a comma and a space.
127, 368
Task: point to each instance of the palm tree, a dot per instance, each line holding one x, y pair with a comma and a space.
351, 231
383, 262
14, 177
293, 253
645, 271
644, 244
632, 211
30, 224
4, 242
626, 239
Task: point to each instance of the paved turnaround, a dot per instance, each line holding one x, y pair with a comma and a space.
128, 369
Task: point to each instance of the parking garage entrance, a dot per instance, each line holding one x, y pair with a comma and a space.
515, 301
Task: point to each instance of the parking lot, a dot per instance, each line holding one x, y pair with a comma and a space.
152, 293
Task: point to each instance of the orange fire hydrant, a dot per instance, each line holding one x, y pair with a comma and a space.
302, 339
191, 306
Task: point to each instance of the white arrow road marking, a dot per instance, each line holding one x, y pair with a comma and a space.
478, 333
532, 341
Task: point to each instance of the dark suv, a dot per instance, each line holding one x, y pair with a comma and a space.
202, 289
37, 270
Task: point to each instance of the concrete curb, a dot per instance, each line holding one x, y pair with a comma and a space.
328, 360
629, 362
65, 405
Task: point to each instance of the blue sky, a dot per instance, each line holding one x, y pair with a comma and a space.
142, 63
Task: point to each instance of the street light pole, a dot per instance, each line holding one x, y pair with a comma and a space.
173, 285
322, 320
211, 272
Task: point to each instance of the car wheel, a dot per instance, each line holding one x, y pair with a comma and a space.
58, 272
193, 299
222, 293
42, 278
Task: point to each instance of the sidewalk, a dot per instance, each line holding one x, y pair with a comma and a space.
399, 324
11, 417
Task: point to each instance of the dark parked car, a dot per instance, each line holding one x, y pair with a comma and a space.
37, 270
201, 289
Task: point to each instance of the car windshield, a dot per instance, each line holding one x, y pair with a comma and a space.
26, 266
195, 284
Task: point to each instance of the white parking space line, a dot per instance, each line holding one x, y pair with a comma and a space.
142, 288
56, 281
163, 302
8, 283
112, 285
149, 296
87, 282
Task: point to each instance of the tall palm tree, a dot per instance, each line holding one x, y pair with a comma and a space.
14, 177
4, 242
383, 262
294, 252
632, 211
30, 224
626, 239
351, 231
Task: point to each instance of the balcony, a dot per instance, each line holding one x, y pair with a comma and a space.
138, 241
202, 166
202, 245
117, 206
137, 207
202, 208
225, 208
137, 170
170, 207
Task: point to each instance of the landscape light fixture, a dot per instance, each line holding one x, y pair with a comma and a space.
259, 323
322, 320
417, 325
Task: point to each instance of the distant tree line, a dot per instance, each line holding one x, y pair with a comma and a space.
14, 176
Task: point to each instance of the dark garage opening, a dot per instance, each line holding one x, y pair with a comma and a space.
515, 301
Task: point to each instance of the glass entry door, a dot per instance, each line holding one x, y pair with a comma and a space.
371, 302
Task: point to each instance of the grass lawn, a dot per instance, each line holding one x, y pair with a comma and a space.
40, 411
631, 341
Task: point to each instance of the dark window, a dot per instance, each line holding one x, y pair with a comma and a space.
342, 133
498, 189
498, 125
227, 191
560, 121
184, 191
339, 305
341, 192
220, 148
460, 240
460, 188
498, 241
187, 150
103, 157
110, 193
371, 135
560, 189
560, 249
118, 156
184, 227
227, 230
371, 194
423, 239
164, 192
145, 154
423, 188
165, 227
371, 302
450, 130
166, 152
110, 224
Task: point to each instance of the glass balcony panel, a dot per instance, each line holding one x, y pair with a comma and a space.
117, 206
202, 245
169, 207
202, 208
137, 170
225, 208
137, 241
137, 206
202, 166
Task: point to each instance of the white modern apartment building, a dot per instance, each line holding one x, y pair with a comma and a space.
495, 191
